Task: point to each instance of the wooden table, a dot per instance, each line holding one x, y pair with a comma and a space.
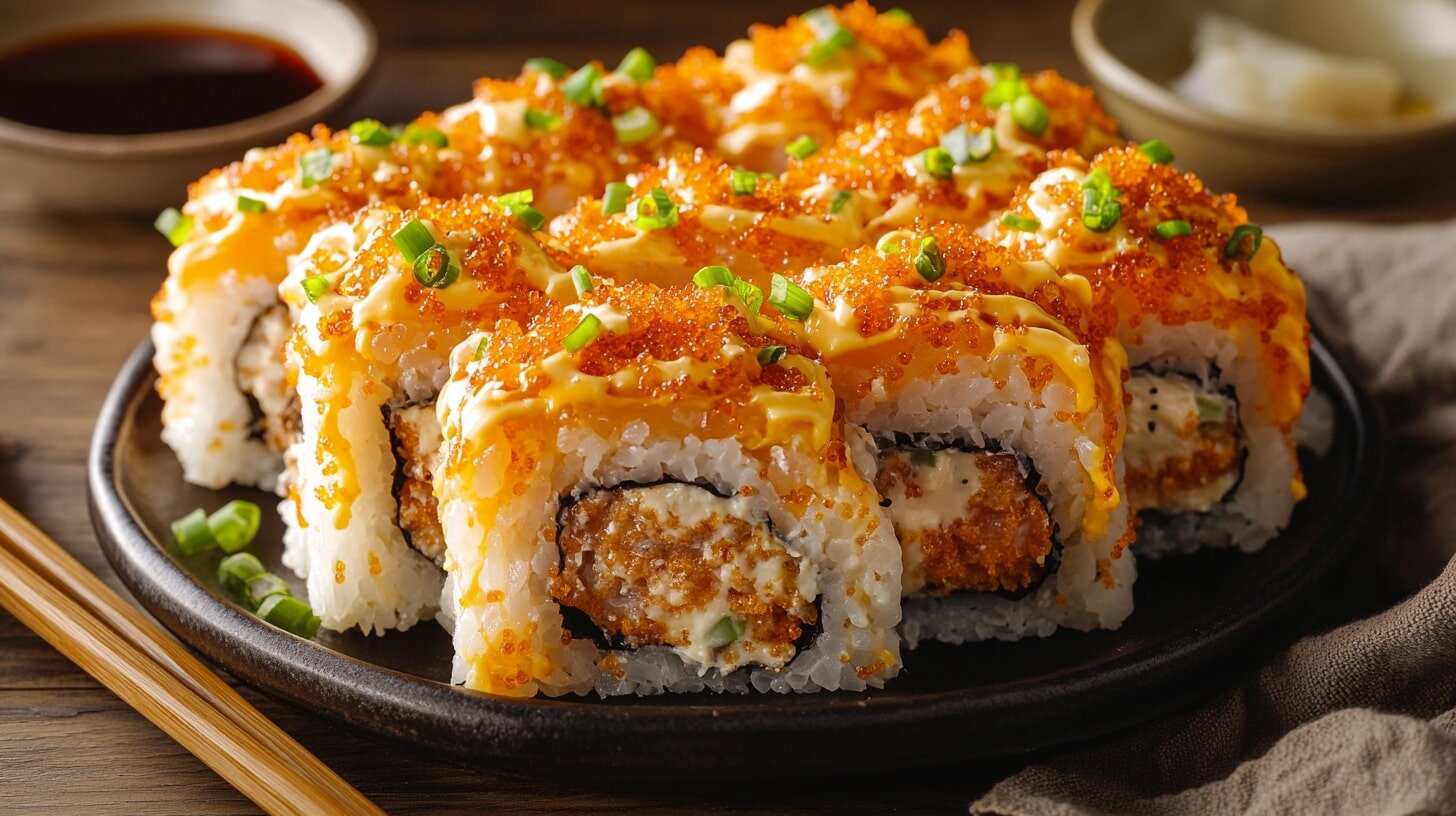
73, 303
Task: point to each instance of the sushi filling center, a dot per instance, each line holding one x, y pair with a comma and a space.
415, 433
676, 565
967, 520
1184, 452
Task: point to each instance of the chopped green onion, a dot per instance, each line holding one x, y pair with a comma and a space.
174, 225
637, 66
414, 134
518, 204
1100, 210
192, 533
710, 276
1235, 246
830, 37
1173, 229
840, 200
235, 571
750, 295
929, 261
585, 332
260, 589
654, 211
315, 287
1020, 222
479, 349
1157, 151
899, 15
965, 146
802, 147
413, 239
584, 87
371, 132
614, 199
770, 355
938, 162
1004, 71
1211, 408
435, 269
892, 243
744, 182
1030, 114
546, 65
725, 632
541, 120
248, 204
635, 125
789, 298
1007, 85
235, 524
315, 166
581, 279
288, 612
923, 457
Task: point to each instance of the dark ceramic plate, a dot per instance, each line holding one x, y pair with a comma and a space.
975, 701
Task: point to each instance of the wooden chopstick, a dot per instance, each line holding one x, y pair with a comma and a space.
52, 594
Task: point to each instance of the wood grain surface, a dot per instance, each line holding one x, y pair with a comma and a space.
73, 303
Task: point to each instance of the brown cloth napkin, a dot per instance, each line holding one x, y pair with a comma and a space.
1360, 719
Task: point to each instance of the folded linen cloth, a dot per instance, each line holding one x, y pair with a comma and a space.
1361, 718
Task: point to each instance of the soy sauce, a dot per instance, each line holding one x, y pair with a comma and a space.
148, 79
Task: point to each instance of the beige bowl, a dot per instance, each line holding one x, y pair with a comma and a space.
1134, 48
144, 173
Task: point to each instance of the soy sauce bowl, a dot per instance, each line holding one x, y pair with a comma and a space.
142, 173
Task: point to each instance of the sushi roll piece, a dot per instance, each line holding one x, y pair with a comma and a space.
997, 433
962, 150
378, 303
649, 491
1215, 328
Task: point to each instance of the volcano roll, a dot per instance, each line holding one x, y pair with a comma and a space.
649, 491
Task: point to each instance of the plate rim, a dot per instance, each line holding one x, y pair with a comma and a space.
642, 736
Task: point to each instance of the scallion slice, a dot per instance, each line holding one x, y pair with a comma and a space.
750, 295
584, 87
1157, 151
413, 239
966, 146
710, 276
518, 204
634, 126
1006, 85
435, 269
789, 298
371, 132
770, 355
173, 225
654, 211
830, 38
899, 15
1211, 408
581, 279
259, 589
637, 65
290, 613
1249, 234
840, 201
1030, 114
536, 119
315, 287
192, 533
802, 147
614, 198
1172, 229
248, 204
547, 66
929, 261
235, 524
726, 631
585, 332
938, 162
1004, 71
1100, 209
235, 571
892, 243
315, 166
743, 182
415, 134
1020, 222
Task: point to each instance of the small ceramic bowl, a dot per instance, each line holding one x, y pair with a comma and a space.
144, 173
1133, 49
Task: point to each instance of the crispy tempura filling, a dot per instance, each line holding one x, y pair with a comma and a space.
1183, 448
262, 377
967, 520
416, 436
675, 565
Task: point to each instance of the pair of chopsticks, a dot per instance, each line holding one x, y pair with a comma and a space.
52, 594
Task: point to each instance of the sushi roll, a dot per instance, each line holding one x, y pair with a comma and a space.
962, 150
997, 432
378, 303
649, 491
1215, 328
